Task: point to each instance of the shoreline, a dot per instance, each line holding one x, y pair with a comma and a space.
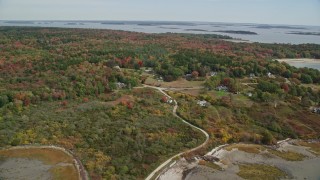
82, 173
226, 163
298, 60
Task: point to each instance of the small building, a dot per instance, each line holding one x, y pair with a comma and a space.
188, 76
202, 103
148, 70
117, 68
222, 88
249, 94
316, 110
121, 85
213, 73
252, 75
269, 74
160, 79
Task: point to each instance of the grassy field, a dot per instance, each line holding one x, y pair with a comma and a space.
210, 165
249, 148
288, 155
180, 83
314, 146
259, 171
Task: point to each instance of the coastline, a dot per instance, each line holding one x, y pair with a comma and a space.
299, 60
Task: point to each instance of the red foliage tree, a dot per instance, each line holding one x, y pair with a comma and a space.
226, 82
129, 105
164, 99
195, 74
285, 87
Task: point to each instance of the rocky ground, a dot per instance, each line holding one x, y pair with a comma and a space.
287, 160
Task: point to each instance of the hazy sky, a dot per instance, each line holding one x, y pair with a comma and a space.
306, 12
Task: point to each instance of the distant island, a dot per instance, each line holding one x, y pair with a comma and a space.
201, 30
305, 33
277, 27
238, 32
225, 31
113, 23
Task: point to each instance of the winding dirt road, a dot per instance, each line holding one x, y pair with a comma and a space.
174, 112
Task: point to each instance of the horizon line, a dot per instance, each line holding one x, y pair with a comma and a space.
191, 21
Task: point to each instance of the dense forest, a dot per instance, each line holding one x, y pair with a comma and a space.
76, 88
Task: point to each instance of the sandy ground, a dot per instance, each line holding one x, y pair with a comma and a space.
238, 40
299, 60
176, 171
229, 161
22, 168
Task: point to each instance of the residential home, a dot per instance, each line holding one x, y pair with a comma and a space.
120, 85
316, 110
213, 74
117, 68
202, 103
188, 76
222, 88
148, 70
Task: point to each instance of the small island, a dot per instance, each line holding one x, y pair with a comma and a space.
238, 32
305, 33
200, 30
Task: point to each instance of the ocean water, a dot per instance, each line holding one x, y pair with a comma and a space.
309, 65
264, 33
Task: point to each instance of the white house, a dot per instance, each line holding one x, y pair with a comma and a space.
202, 103
117, 68
222, 88
120, 85
316, 110
213, 74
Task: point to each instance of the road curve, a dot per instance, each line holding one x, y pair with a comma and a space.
174, 112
